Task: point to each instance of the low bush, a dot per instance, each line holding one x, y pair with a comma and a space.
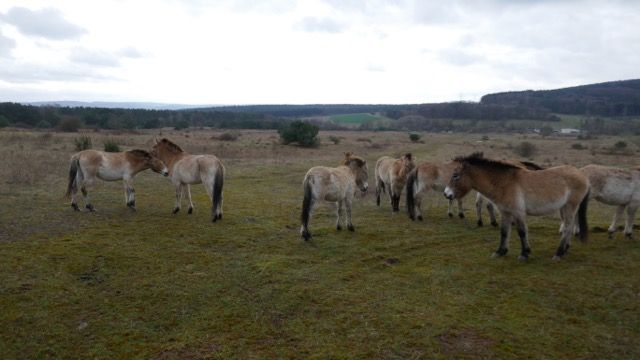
302, 133
111, 146
525, 149
82, 143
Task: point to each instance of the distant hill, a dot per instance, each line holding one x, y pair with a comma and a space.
117, 105
615, 98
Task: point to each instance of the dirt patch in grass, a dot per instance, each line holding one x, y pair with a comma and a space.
465, 341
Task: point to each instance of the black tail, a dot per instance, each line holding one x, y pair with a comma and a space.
411, 180
73, 171
582, 219
306, 204
218, 182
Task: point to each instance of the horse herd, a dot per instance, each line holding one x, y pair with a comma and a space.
517, 189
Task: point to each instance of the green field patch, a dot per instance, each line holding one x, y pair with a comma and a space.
355, 119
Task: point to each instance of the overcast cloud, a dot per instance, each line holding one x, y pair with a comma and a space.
309, 51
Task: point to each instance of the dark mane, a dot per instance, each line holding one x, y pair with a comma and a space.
140, 153
171, 146
531, 165
478, 159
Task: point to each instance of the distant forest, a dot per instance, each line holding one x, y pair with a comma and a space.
612, 99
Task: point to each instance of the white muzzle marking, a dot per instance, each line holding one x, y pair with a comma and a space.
448, 193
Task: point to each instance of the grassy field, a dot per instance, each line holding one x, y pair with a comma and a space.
355, 119
117, 284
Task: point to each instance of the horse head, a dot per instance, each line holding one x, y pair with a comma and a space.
358, 167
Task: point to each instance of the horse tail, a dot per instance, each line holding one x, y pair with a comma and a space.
72, 186
411, 182
306, 203
218, 182
582, 218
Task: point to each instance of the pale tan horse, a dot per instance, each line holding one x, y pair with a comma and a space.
337, 185
186, 169
426, 177
618, 187
519, 192
391, 175
480, 199
88, 165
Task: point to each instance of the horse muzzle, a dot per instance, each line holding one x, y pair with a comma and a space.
165, 173
448, 193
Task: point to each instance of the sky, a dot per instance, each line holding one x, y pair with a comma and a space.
309, 51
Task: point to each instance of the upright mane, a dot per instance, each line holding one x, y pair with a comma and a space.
478, 159
349, 157
531, 165
171, 146
140, 153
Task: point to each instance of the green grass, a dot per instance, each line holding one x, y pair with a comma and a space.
355, 119
117, 284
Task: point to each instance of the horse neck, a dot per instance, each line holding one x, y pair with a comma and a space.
348, 170
170, 159
483, 181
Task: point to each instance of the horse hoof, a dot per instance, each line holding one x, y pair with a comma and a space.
351, 228
75, 207
556, 258
523, 258
611, 234
338, 227
90, 208
450, 215
499, 253
175, 211
480, 223
461, 215
220, 216
420, 218
190, 211
306, 236
629, 236
494, 223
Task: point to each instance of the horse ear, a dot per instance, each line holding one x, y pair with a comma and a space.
408, 156
155, 138
347, 154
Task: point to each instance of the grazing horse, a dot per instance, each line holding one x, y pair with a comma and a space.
429, 176
518, 192
337, 185
480, 199
87, 165
615, 186
186, 169
392, 174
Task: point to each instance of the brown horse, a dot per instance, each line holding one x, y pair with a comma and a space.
619, 187
425, 177
186, 169
89, 165
480, 199
519, 192
391, 174
337, 185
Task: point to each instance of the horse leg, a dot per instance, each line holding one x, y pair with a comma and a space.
74, 197
379, 190
614, 224
460, 209
568, 215
85, 196
130, 194
631, 215
524, 239
479, 202
505, 231
339, 208
190, 210
418, 207
449, 209
348, 203
491, 209
179, 188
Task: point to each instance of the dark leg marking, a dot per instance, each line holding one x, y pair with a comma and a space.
175, 210
350, 227
190, 211
75, 207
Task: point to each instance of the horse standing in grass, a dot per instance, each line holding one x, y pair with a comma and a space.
425, 177
391, 175
89, 165
480, 199
518, 192
337, 185
186, 169
619, 187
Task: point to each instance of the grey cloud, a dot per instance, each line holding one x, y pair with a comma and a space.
130, 52
313, 24
25, 73
6, 45
48, 23
96, 58
459, 57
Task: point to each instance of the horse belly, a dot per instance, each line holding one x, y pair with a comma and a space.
615, 193
545, 207
109, 174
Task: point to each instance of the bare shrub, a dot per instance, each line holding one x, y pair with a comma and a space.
82, 143
525, 149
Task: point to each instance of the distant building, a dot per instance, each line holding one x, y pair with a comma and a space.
569, 131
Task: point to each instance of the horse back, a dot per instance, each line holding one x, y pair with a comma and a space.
612, 185
384, 166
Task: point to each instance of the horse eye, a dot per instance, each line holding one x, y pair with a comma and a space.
456, 176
